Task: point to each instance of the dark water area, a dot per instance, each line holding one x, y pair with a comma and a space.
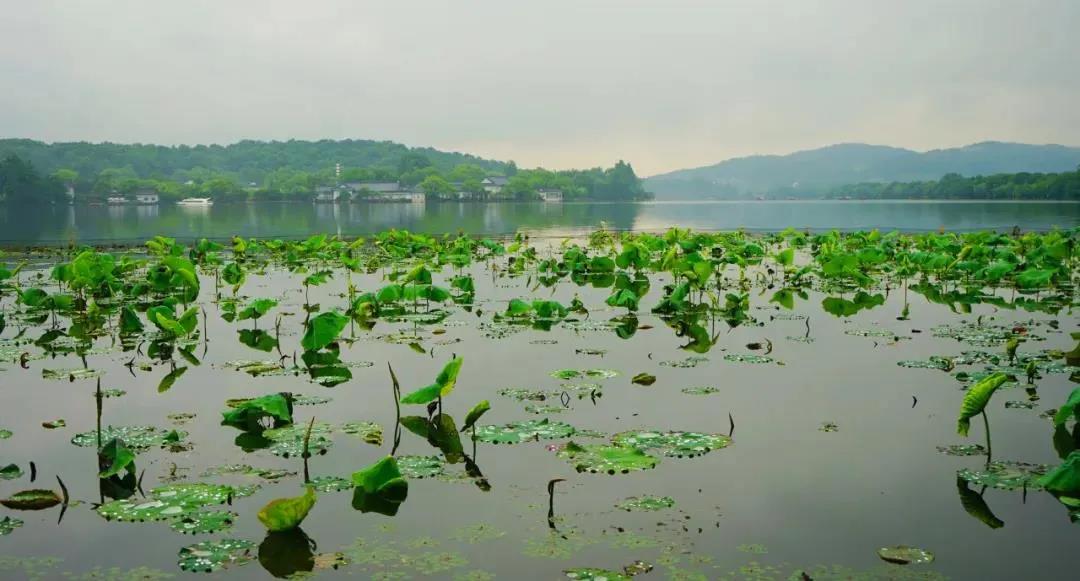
786, 496
100, 224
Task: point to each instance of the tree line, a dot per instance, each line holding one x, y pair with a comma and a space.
283, 171
1014, 186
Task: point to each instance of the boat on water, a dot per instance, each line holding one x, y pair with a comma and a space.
195, 202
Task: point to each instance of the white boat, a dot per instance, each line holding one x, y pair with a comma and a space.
196, 202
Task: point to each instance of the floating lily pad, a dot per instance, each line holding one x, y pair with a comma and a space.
1020, 405
204, 522
543, 410
70, 374
963, 450
369, 432
904, 555
703, 390
331, 483
172, 501
645, 379
575, 373
524, 431
10, 472
288, 441
36, 499
420, 466
210, 556
522, 394
692, 361
135, 437
829, 427
934, 362
54, 425
646, 503
180, 419
747, 358
593, 574
256, 368
1006, 475
8, 524
600, 458
5, 434
113, 393
677, 444
299, 399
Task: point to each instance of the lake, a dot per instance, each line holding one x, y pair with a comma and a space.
782, 423
90, 224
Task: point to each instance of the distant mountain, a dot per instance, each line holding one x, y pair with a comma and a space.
815, 172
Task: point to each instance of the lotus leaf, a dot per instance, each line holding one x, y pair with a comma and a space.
137, 438
646, 503
204, 522
36, 499
286, 514
210, 556
524, 431
598, 458
904, 555
369, 432
1006, 475
677, 444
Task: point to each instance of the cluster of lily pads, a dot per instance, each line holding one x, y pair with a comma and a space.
149, 301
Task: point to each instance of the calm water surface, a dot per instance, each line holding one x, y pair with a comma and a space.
783, 497
60, 224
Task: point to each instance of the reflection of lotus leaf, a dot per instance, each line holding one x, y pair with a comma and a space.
205, 522
1006, 475
369, 432
599, 458
677, 444
420, 466
648, 503
904, 555
591, 574
288, 441
134, 437
8, 524
331, 483
209, 556
524, 431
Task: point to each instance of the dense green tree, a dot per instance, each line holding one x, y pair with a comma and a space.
21, 183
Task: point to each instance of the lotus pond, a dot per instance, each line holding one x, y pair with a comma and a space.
688, 405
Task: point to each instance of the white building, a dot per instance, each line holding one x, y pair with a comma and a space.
550, 195
148, 197
494, 184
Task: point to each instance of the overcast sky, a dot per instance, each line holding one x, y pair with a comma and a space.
664, 84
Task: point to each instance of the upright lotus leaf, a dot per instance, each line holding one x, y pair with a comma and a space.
625, 298
233, 275
129, 321
115, 457
976, 399
36, 499
323, 330
285, 514
1071, 408
247, 413
442, 387
518, 308
474, 414
380, 488
256, 309
1064, 479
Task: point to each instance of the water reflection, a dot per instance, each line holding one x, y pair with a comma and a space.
58, 224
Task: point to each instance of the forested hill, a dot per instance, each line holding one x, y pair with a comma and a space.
249, 161
816, 173
1016, 186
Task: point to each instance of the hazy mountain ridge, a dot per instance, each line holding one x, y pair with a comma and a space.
813, 173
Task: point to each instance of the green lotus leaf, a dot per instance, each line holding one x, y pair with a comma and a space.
976, 399
1006, 475
137, 438
1071, 408
8, 524
524, 431
383, 479
118, 457
674, 443
599, 458
204, 522
475, 413
1065, 478
247, 414
421, 466
594, 574
369, 432
646, 503
323, 330
288, 441
286, 514
331, 483
442, 387
210, 556
36, 499
904, 555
